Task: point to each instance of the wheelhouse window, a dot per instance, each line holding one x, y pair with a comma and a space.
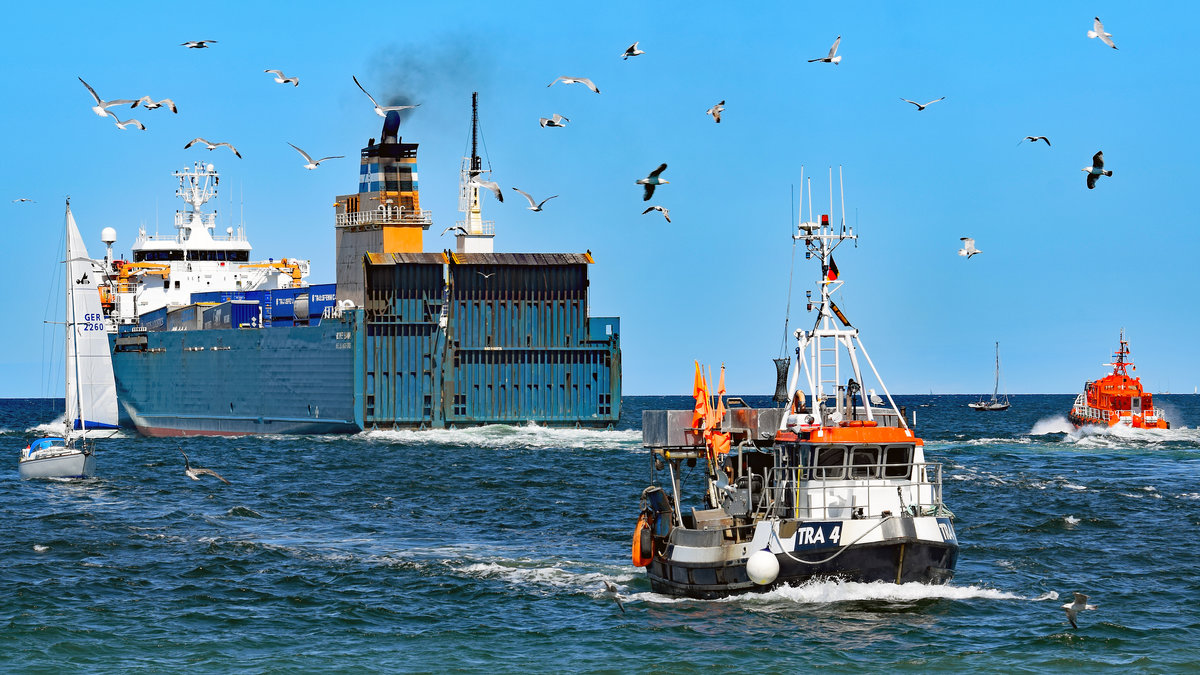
830, 463
864, 462
897, 461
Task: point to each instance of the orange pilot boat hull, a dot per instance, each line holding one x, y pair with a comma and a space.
1117, 399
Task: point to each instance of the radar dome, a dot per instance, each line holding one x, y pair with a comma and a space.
209, 167
108, 235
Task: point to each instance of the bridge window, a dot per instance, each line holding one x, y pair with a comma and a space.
897, 460
830, 463
864, 462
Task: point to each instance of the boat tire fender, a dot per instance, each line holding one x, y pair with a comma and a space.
643, 542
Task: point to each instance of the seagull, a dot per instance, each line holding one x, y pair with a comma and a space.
194, 472
532, 206
382, 111
1080, 604
23, 199
284, 79
554, 121
651, 181
576, 80
631, 50
1096, 169
491, 185
968, 248
312, 164
122, 125
716, 111
832, 51
198, 44
211, 146
485, 276
101, 107
922, 106
150, 104
611, 589
874, 398
457, 228
1035, 139
666, 212
1097, 31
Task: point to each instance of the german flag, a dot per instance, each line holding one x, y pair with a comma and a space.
831, 272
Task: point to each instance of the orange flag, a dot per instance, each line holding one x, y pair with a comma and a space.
700, 393
720, 441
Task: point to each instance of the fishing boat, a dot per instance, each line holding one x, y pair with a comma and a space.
91, 397
1117, 399
996, 402
828, 486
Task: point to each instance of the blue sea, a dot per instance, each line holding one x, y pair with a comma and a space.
484, 550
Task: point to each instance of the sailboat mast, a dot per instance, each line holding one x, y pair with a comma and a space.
996, 387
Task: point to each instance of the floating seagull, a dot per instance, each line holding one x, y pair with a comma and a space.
23, 199
631, 50
40, 548
1096, 169
1035, 139
576, 80
284, 79
1080, 604
212, 146
198, 44
532, 206
491, 185
968, 248
832, 51
554, 121
312, 164
382, 110
150, 104
194, 472
666, 212
611, 589
122, 125
922, 106
716, 111
457, 228
1097, 31
651, 181
101, 107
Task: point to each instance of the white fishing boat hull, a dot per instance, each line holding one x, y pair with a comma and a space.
69, 463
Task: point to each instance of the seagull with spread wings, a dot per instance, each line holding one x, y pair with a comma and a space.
666, 212
1035, 139
1074, 608
968, 248
491, 185
716, 111
922, 106
1097, 31
534, 206
382, 110
102, 106
832, 57
194, 472
197, 44
121, 125
313, 163
211, 145
1095, 170
555, 120
652, 181
575, 80
631, 50
284, 79
150, 104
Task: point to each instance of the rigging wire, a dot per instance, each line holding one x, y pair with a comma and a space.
787, 314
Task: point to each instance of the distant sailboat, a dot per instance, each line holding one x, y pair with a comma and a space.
90, 390
996, 402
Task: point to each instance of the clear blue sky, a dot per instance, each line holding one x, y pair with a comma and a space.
1063, 268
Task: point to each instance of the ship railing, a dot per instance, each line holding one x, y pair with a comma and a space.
385, 216
868, 491
486, 227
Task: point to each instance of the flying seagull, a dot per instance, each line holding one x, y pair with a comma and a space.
101, 107
194, 472
491, 185
631, 50
198, 44
611, 589
555, 120
532, 206
382, 110
922, 106
23, 199
1080, 604
485, 276
457, 228
211, 145
831, 58
651, 181
666, 212
575, 80
312, 164
284, 79
121, 125
1096, 170
716, 111
968, 248
1035, 139
1097, 31
150, 104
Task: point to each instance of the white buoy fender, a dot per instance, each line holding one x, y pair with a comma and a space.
762, 567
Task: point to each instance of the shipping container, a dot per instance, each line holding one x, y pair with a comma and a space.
155, 320
321, 298
232, 314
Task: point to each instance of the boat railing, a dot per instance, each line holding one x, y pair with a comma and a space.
912, 489
392, 215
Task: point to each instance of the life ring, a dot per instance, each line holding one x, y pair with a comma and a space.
643, 542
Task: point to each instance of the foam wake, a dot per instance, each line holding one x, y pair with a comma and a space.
528, 436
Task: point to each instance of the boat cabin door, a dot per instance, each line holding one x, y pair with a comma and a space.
1135, 403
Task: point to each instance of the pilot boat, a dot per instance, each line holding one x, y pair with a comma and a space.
1117, 399
831, 485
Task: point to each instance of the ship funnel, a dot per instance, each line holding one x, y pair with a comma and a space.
391, 127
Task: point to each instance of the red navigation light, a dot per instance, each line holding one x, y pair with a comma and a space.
824, 220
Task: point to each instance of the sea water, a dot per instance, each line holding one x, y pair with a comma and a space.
486, 550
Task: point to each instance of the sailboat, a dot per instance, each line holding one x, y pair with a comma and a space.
91, 393
996, 402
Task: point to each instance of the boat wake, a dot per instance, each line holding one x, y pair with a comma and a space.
1057, 424
831, 591
529, 436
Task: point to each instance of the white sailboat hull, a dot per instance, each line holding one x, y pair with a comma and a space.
70, 463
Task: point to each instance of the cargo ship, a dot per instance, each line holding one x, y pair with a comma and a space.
206, 342
1117, 399
830, 486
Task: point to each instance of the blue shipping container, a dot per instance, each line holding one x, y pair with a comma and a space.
232, 314
320, 298
155, 320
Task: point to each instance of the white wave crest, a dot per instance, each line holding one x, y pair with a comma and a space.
1071, 520
1048, 595
1057, 424
529, 573
825, 592
529, 436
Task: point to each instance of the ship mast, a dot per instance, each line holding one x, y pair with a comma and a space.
1119, 363
476, 234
